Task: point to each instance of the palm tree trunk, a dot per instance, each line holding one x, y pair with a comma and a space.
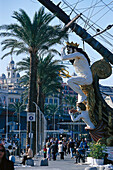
42, 102
32, 97
39, 95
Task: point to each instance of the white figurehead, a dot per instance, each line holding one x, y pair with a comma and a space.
84, 115
81, 64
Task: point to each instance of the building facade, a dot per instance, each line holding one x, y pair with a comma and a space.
10, 90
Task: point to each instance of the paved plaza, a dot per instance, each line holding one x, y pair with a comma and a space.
66, 164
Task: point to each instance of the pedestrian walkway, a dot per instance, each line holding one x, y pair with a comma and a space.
66, 164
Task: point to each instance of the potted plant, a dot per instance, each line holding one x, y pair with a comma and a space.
97, 152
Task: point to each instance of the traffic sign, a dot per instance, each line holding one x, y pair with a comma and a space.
31, 116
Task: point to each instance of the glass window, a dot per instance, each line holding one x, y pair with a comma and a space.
11, 100
13, 75
8, 75
51, 101
46, 100
16, 100
55, 101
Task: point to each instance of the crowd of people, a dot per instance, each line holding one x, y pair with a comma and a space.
76, 148
52, 148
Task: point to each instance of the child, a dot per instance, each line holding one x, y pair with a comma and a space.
45, 151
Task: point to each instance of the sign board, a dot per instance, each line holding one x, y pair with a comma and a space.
30, 135
31, 116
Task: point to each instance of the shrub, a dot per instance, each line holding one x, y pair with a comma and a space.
97, 150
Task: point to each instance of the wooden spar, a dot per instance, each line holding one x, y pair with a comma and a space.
71, 22
106, 54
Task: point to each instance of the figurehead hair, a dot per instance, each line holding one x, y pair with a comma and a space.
81, 106
75, 46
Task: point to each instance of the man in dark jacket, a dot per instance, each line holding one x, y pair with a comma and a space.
5, 164
106, 160
53, 151
71, 145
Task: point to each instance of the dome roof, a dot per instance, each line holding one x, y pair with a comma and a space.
3, 75
12, 62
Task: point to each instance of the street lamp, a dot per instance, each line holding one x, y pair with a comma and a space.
37, 108
6, 99
54, 115
7, 119
19, 125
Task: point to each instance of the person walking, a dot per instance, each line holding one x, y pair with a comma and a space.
65, 147
71, 145
60, 150
49, 152
68, 148
54, 151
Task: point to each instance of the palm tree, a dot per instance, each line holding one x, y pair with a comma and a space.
34, 38
48, 77
17, 106
49, 80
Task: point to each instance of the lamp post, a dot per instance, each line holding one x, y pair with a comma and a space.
19, 125
54, 115
6, 106
37, 108
20, 128
7, 119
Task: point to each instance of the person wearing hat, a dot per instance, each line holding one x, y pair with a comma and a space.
28, 155
5, 164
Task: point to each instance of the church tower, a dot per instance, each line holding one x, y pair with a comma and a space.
12, 76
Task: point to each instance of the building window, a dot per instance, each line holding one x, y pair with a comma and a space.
16, 100
55, 101
11, 100
8, 75
51, 101
13, 75
46, 100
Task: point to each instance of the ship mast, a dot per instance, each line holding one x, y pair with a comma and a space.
56, 10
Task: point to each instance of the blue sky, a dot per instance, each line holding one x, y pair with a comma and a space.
30, 6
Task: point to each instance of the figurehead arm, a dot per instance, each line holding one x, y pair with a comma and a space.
70, 56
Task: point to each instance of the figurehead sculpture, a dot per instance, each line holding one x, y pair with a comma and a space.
94, 111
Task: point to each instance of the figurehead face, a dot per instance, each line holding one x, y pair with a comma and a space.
73, 47
69, 50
